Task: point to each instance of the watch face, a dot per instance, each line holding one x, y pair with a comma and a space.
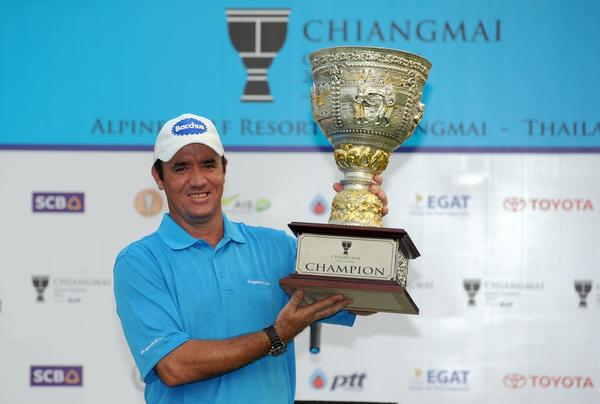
278, 349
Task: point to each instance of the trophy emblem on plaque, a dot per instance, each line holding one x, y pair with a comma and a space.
367, 102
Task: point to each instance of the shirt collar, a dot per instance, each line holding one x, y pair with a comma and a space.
178, 239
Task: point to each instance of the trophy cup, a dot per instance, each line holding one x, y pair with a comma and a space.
367, 102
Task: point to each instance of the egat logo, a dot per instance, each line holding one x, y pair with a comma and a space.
71, 376
446, 377
519, 204
58, 202
354, 381
516, 381
451, 205
188, 126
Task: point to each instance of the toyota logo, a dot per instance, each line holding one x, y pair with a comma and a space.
514, 203
514, 381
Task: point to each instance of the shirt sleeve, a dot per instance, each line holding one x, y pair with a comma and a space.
149, 316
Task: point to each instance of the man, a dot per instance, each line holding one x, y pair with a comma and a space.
199, 299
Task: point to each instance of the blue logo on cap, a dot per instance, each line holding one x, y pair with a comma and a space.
189, 126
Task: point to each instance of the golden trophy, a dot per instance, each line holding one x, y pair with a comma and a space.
367, 101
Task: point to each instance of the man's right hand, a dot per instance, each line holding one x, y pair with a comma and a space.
294, 318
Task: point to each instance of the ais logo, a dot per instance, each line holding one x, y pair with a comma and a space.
58, 202
71, 376
189, 126
351, 382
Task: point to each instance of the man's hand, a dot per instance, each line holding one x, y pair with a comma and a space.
293, 318
374, 188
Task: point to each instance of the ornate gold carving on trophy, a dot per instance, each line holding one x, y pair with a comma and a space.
367, 102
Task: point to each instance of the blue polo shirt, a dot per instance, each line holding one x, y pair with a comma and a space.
171, 287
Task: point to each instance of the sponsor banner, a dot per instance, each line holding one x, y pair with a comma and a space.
56, 376
261, 100
518, 381
350, 382
447, 380
66, 289
58, 202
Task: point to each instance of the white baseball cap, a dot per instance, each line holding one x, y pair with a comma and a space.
184, 130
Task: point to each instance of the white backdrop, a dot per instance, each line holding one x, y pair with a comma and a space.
522, 226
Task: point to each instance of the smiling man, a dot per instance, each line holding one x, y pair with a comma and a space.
199, 299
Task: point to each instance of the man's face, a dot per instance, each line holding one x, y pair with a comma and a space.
193, 182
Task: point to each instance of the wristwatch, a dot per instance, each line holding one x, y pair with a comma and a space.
277, 345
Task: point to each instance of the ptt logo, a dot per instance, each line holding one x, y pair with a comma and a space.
318, 206
189, 126
57, 202
350, 382
70, 376
441, 205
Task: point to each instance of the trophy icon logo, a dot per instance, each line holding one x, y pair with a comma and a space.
346, 246
583, 288
40, 282
148, 202
472, 287
257, 35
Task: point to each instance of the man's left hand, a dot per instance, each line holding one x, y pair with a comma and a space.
374, 188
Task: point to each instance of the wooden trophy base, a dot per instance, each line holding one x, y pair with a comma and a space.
360, 263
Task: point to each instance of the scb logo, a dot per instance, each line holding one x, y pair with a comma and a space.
56, 375
58, 202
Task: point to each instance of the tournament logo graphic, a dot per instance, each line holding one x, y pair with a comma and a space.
514, 204
58, 202
346, 246
40, 283
148, 202
472, 287
583, 288
69, 376
318, 205
257, 35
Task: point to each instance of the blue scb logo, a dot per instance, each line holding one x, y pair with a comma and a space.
189, 126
